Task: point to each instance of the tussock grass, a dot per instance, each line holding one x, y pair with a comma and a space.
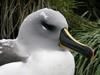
88, 33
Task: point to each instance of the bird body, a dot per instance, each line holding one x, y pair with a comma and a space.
42, 62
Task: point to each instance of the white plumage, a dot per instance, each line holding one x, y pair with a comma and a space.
40, 47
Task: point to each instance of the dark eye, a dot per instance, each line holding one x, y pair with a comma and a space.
48, 26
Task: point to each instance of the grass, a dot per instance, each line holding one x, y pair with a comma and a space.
90, 36
88, 33
14, 11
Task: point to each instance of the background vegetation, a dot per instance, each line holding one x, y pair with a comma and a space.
83, 17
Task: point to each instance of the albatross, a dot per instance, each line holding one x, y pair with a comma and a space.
42, 46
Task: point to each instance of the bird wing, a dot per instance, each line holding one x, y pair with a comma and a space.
7, 54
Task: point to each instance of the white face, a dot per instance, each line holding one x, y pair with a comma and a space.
42, 27
51, 24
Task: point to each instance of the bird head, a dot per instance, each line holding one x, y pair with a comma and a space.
49, 28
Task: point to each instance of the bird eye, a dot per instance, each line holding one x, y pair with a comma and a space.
48, 26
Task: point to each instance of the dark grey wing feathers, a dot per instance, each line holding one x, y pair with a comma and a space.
7, 54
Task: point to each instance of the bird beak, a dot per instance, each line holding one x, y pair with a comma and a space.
66, 40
